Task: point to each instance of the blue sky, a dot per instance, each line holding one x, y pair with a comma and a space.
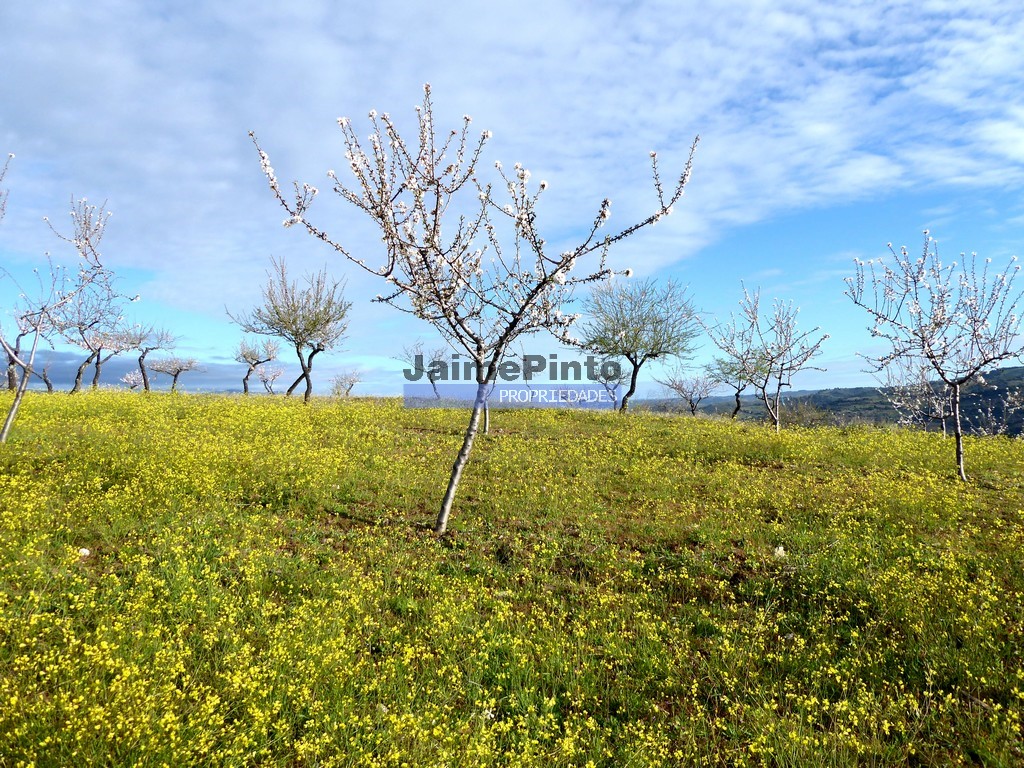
827, 131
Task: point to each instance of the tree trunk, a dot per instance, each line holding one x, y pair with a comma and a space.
771, 404
308, 373
12, 365
736, 410
441, 525
143, 371
632, 386
47, 382
245, 380
294, 385
958, 432
20, 393
174, 381
302, 365
100, 360
81, 372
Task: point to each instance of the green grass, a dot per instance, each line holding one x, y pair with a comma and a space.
262, 588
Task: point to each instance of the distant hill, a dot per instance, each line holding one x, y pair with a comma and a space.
979, 403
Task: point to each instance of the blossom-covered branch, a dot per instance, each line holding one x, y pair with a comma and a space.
461, 252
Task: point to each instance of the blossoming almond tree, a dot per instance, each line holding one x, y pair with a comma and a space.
460, 252
145, 339
253, 354
175, 366
767, 350
690, 386
960, 319
45, 314
268, 376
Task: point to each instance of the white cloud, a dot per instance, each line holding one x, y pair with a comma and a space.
801, 105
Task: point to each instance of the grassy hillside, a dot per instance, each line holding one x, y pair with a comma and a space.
228, 581
982, 405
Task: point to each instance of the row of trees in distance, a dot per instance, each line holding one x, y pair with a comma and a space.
465, 255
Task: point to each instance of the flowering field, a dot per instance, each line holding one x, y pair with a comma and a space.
207, 580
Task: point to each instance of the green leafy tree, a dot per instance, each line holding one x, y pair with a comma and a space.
639, 322
312, 319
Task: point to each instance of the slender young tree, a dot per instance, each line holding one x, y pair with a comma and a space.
772, 348
91, 317
475, 268
253, 354
691, 387
639, 321
46, 314
734, 374
268, 376
343, 383
312, 319
174, 367
425, 362
145, 339
961, 318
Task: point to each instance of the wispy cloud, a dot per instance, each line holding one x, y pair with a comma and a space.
801, 105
